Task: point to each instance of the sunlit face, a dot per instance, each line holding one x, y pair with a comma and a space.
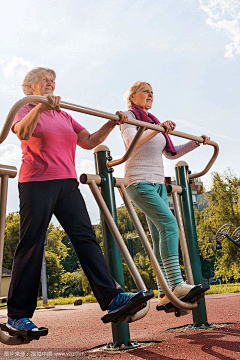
45, 85
143, 97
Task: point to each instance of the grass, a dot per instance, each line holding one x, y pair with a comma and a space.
214, 289
224, 289
69, 300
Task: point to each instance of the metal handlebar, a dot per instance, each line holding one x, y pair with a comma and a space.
65, 105
159, 128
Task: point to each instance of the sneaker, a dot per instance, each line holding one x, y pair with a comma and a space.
21, 324
183, 289
179, 291
120, 300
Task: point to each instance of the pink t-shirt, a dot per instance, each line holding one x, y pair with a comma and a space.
50, 152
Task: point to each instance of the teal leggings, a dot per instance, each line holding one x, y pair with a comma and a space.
152, 199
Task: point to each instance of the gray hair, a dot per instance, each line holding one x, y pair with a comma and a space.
135, 87
32, 77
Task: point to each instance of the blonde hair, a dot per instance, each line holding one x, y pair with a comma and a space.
32, 77
134, 88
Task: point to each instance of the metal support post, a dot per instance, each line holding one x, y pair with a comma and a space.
130, 249
44, 280
181, 168
120, 332
45, 304
3, 206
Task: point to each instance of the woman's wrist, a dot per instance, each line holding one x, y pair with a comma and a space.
112, 123
41, 107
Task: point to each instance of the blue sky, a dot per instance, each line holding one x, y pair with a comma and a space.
189, 50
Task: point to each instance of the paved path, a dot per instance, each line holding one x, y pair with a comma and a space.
75, 330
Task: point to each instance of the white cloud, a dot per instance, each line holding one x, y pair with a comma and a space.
13, 72
86, 167
17, 66
10, 154
225, 15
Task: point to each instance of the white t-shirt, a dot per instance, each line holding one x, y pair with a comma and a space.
146, 163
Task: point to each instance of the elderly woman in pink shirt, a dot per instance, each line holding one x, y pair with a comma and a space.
48, 185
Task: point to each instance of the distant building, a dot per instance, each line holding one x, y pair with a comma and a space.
197, 192
6, 278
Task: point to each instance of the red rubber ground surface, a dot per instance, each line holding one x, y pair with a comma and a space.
74, 330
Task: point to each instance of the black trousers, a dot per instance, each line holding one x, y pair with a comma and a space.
39, 200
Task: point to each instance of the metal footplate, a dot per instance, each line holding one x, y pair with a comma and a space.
135, 304
30, 335
194, 295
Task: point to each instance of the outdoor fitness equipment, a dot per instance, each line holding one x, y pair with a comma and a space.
223, 232
104, 164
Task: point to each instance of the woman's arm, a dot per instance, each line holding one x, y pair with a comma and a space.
129, 132
25, 128
90, 141
186, 148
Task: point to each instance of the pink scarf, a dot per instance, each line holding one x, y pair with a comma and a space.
142, 116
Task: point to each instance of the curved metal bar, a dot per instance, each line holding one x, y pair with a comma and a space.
129, 150
236, 234
42, 99
12, 340
65, 105
149, 251
209, 164
222, 231
7, 172
122, 247
175, 133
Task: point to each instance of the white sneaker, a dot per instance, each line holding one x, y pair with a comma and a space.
183, 289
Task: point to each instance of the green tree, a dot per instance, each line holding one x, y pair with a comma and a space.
85, 284
54, 271
55, 241
11, 238
223, 206
70, 262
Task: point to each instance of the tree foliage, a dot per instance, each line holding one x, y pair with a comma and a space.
11, 239
222, 206
65, 275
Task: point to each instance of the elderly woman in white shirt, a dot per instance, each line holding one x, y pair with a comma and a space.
145, 175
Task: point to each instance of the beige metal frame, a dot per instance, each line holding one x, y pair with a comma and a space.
7, 172
149, 251
106, 115
93, 181
117, 236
